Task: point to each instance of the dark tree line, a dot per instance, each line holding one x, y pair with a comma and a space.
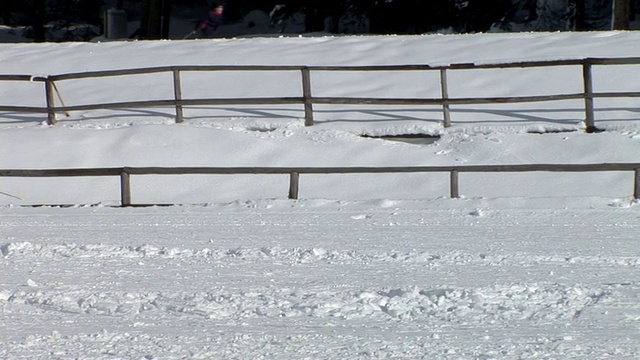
37, 13
382, 16
420, 16
404, 16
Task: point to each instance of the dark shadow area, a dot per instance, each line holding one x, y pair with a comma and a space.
21, 118
401, 114
416, 139
256, 113
328, 116
506, 116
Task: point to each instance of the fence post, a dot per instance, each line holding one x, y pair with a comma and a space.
588, 97
454, 184
636, 186
177, 90
294, 182
48, 90
306, 93
125, 188
445, 97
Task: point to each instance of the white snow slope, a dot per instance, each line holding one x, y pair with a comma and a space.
527, 265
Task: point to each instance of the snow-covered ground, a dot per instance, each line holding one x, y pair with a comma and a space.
471, 279
531, 265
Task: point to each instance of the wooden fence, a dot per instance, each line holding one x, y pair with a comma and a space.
294, 173
446, 101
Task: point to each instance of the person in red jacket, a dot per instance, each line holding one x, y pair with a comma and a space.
209, 26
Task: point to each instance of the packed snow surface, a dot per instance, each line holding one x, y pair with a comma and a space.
527, 265
321, 279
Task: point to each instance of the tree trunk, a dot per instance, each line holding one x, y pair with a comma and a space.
154, 23
37, 21
578, 12
7, 7
166, 18
314, 16
621, 14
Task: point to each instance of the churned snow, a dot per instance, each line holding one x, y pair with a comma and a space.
529, 265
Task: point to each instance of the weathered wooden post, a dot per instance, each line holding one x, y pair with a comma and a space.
445, 97
48, 90
588, 97
177, 90
636, 186
306, 93
454, 184
294, 182
125, 188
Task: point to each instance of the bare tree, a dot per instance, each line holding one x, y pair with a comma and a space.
156, 24
577, 15
39, 11
6, 6
621, 14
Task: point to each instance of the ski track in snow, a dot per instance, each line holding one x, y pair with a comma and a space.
328, 282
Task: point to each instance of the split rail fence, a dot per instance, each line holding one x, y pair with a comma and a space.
294, 173
308, 100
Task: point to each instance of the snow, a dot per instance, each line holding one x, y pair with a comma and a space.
527, 265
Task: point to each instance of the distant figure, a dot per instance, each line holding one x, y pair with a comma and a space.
210, 25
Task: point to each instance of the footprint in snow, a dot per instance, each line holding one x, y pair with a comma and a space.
477, 212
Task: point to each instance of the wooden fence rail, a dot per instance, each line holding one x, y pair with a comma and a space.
308, 100
294, 173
